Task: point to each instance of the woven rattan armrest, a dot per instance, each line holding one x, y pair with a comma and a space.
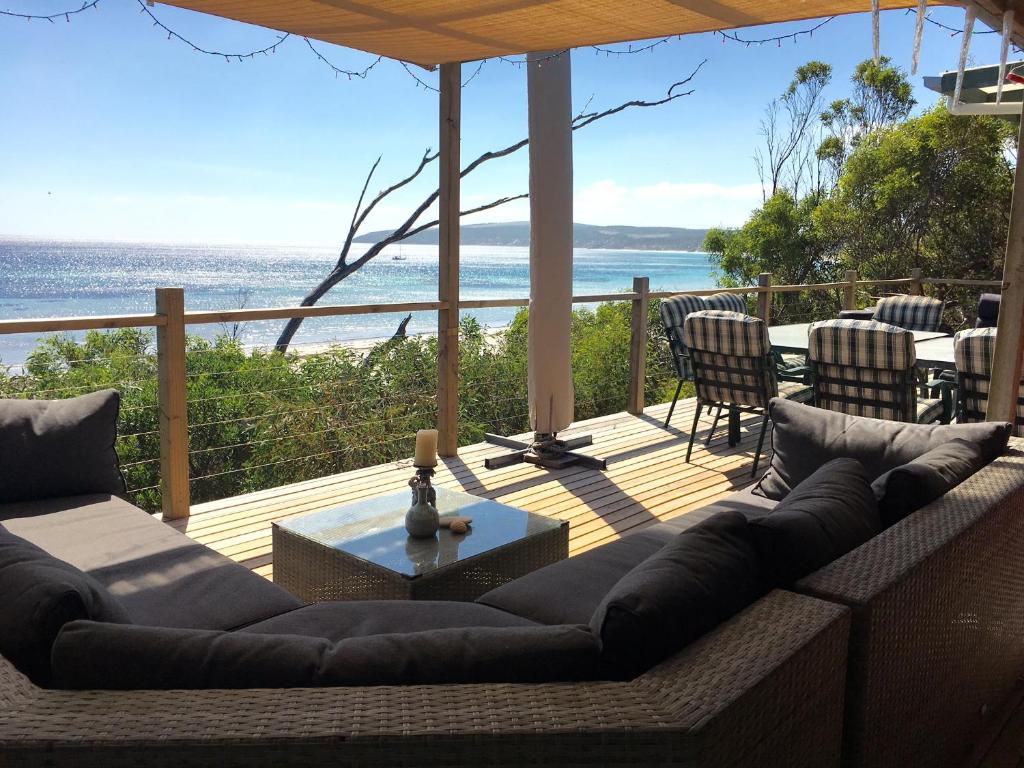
767, 682
938, 617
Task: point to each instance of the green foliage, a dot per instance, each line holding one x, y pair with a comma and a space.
881, 97
259, 419
780, 237
932, 192
929, 192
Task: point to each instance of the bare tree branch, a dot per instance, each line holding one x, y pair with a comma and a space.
409, 226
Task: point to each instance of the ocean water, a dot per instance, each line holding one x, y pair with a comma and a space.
58, 279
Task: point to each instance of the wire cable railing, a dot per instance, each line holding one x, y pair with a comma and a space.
251, 418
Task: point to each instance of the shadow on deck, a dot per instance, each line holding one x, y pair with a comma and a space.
647, 480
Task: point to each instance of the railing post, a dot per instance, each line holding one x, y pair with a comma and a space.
850, 291
448, 272
915, 281
764, 298
638, 346
170, 350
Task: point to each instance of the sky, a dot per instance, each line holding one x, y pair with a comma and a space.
111, 131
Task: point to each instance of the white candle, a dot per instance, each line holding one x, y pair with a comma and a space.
426, 448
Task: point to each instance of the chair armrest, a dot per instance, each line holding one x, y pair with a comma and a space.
943, 385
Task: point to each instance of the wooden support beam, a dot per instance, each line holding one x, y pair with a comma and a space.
448, 272
915, 282
170, 350
764, 298
850, 290
1009, 351
638, 346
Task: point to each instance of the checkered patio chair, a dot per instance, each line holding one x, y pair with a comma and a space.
791, 367
727, 302
867, 368
733, 367
973, 350
913, 313
673, 312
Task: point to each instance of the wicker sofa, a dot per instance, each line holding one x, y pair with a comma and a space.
934, 602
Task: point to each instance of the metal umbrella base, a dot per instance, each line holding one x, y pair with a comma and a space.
546, 450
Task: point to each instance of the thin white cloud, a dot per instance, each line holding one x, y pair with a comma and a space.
666, 203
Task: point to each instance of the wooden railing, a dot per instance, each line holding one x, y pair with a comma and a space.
170, 320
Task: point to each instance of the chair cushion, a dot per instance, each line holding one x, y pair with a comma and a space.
59, 447
162, 577
692, 584
910, 486
804, 438
90, 655
988, 310
929, 411
795, 391
39, 594
824, 517
569, 591
336, 621
915, 313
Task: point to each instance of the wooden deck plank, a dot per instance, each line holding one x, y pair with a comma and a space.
648, 480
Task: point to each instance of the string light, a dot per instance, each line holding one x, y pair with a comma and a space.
630, 49
778, 39
361, 74
953, 31
172, 35
66, 15
338, 71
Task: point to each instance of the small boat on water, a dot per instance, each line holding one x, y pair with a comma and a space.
398, 256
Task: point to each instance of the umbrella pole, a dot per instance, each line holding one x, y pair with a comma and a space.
550, 369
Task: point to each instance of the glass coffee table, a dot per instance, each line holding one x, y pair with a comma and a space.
361, 551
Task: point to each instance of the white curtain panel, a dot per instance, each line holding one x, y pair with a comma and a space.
550, 119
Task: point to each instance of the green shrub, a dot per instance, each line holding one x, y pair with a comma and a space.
259, 419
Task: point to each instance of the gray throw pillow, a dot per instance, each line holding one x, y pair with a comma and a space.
92, 655
691, 585
910, 486
39, 594
804, 438
51, 448
829, 514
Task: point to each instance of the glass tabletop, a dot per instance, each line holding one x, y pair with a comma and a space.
374, 530
793, 337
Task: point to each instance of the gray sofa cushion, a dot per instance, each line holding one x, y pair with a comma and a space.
698, 580
162, 577
804, 438
569, 591
337, 621
90, 655
39, 594
827, 515
910, 486
744, 501
59, 447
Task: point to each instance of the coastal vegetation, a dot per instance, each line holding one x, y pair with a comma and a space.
860, 184
260, 419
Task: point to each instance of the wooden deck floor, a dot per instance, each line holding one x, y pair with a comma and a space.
647, 480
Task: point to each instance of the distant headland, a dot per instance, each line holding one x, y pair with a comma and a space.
584, 236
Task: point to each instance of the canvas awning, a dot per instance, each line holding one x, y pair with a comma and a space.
429, 32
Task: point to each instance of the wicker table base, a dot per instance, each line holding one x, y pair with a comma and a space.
361, 551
